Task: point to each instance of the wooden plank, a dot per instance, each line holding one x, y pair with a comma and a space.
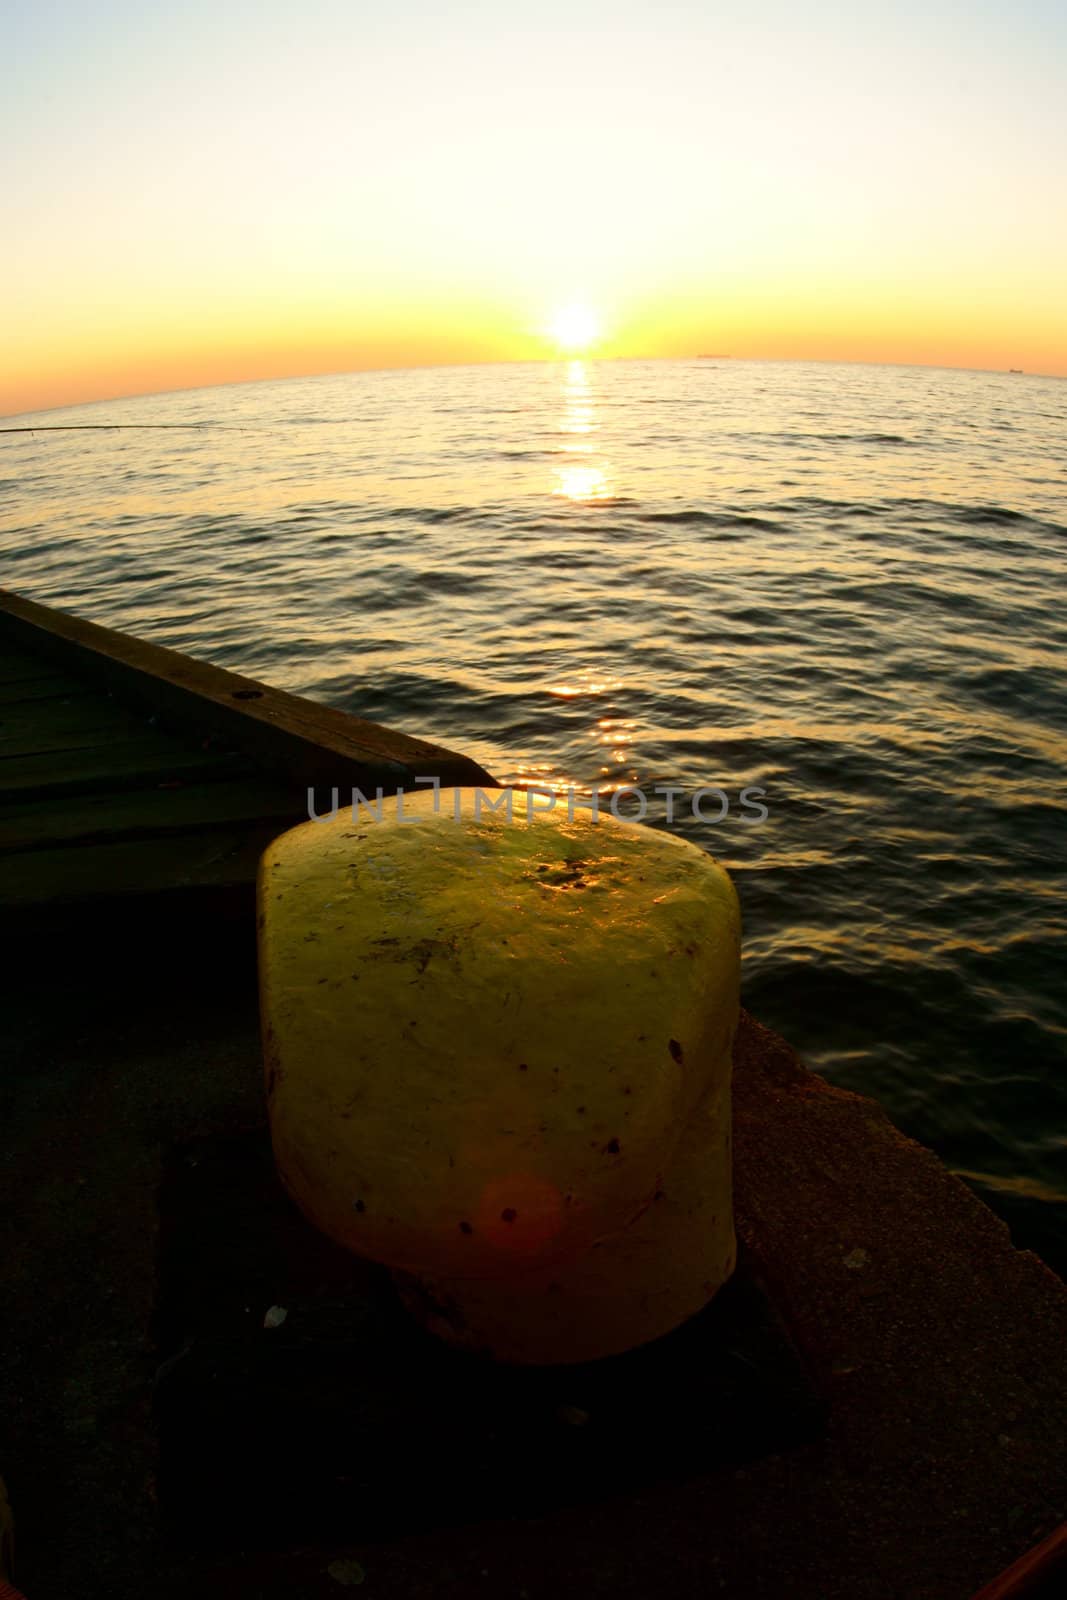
313, 743
73, 725
57, 686
71, 711
137, 764
22, 666
212, 859
147, 813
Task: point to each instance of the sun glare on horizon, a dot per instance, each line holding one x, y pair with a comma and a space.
574, 328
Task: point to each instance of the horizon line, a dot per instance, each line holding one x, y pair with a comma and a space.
525, 361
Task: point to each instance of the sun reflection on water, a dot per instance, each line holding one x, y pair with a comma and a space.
588, 479
582, 483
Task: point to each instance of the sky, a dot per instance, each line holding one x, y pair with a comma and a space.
202, 193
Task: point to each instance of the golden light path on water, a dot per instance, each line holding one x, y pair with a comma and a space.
587, 478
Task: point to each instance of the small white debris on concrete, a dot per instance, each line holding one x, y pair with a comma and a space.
275, 1317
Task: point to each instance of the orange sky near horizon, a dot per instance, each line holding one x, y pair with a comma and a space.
152, 365
160, 371
196, 198
129, 355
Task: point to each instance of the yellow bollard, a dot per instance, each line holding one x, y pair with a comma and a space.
498, 1061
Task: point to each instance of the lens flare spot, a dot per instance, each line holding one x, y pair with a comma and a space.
521, 1214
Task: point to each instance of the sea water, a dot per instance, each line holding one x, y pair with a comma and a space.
840, 585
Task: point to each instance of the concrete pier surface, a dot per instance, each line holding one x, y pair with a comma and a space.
129, 1023
940, 1350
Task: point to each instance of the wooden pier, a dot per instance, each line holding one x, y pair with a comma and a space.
138, 785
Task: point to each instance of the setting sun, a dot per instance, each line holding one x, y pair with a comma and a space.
574, 327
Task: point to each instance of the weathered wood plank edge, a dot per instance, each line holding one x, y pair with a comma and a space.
125, 871
306, 742
68, 822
